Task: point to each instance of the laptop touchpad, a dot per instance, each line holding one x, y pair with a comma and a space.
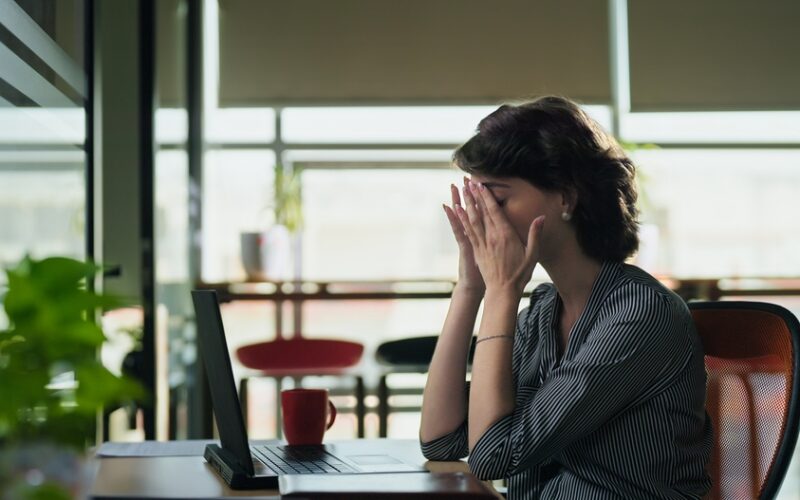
380, 463
373, 460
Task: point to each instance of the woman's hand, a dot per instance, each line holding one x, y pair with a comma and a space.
503, 261
469, 277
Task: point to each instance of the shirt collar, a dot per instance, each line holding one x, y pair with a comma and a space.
604, 283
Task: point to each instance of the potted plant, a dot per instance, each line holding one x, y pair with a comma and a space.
288, 200
52, 383
267, 255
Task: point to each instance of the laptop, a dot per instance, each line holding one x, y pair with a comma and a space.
245, 466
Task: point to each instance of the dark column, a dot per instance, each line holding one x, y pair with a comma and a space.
147, 106
200, 414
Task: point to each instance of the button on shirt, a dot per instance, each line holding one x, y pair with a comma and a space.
621, 414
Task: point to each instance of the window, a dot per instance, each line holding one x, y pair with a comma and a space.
397, 124
237, 198
42, 156
371, 224
723, 213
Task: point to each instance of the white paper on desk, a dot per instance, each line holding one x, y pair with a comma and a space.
183, 448
186, 448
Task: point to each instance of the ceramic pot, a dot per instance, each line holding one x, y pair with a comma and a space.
267, 255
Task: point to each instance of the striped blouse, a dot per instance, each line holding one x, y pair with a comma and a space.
621, 414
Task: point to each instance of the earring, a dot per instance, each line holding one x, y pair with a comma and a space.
566, 216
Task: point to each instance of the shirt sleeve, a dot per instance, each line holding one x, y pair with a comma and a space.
452, 446
630, 353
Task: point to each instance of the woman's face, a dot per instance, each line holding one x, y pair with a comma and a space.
522, 203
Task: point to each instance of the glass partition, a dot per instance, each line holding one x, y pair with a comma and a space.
43, 109
43, 103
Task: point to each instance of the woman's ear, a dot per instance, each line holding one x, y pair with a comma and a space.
569, 200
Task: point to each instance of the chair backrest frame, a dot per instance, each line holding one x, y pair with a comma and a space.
788, 441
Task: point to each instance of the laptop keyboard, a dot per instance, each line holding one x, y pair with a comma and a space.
299, 460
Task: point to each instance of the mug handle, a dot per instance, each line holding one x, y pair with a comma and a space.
332, 415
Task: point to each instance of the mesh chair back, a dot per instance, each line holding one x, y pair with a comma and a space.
752, 363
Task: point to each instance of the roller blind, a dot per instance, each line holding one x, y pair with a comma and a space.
412, 50
714, 54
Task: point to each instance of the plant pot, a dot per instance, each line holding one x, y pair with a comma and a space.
43, 470
267, 255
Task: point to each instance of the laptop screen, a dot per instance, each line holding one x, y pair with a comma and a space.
214, 351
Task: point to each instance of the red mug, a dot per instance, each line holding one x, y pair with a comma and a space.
307, 414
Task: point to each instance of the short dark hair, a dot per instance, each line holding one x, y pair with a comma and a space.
554, 145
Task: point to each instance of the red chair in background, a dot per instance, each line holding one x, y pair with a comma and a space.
301, 357
752, 355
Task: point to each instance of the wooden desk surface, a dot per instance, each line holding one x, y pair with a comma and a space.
164, 477
191, 477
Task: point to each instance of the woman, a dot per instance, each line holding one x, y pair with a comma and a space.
597, 388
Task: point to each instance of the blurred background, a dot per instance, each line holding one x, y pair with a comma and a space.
294, 156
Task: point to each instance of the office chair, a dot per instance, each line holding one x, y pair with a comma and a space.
411, 355
299, 357
752, 360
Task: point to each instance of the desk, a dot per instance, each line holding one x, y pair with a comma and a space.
191, 477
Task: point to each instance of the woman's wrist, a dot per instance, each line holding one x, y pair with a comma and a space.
503, 293
471, 290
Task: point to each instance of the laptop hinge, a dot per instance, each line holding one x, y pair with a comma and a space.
233, 473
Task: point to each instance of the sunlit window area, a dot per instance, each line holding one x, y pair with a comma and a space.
42, 179
715, 208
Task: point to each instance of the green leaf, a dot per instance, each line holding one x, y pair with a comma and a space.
20, 302
85, 334
22, 389
68, 427
7, 339
99, 387
48, 491
55, 274
51, 330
